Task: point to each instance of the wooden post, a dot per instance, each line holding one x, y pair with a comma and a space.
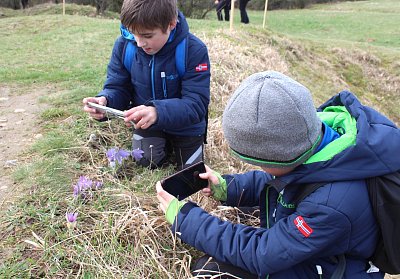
63, 7
265, 13
232, 10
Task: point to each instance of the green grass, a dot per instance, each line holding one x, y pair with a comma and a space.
361, 22
327, 47
36, 48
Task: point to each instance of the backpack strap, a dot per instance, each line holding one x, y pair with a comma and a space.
340, 269
305, 190
180, 57
130, 51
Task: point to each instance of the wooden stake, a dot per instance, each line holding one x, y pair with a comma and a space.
265, 13
63, 7
232, 10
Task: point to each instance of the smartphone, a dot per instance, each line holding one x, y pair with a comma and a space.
104, 109
185, 182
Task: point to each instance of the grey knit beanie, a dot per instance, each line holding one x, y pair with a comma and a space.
271, 121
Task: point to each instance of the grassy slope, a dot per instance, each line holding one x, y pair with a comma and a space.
120, 232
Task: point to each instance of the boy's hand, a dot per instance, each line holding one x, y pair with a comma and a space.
212, 180
216, 185
163, 197
92, 111
168, 203
142, 116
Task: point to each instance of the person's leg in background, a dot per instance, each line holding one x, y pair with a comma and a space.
153, 145
188, 150
243, 13
227, 9
220, 6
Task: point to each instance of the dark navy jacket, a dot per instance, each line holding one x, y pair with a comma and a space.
181, 103
336, 219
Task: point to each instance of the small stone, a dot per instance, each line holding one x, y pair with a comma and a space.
38, 136
3, 120
19, 110
11, 163
3, 99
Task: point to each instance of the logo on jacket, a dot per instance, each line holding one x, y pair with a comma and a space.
202, 67
302, 226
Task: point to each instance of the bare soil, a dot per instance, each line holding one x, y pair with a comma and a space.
18, 130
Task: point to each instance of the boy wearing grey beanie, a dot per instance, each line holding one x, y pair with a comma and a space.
270, 121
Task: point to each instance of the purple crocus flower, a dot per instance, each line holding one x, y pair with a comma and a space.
137, 154
82, 186
117, 155
71, 217
77, 190
98, 185
85, 183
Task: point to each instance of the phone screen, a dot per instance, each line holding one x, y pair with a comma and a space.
185, 182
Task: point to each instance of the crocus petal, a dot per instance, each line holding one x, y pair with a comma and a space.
77, 190
121, 154
85, 183
137, 154
71, 217
124, 153
111, 154
98, 185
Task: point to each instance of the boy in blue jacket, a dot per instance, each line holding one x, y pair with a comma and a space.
167, 109
270, 121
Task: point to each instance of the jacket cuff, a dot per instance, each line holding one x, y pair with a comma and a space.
219, 190
182, 213
173, 209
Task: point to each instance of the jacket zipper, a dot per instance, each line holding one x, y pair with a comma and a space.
267, 206
152, 62
267, 212
164, 84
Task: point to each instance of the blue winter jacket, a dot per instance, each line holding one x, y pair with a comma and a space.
334, 220
181, 102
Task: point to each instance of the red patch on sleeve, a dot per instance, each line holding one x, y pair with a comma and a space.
202, 67
302, 226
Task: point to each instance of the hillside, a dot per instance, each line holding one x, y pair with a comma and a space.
54, 61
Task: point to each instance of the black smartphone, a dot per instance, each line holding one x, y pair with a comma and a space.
185, 182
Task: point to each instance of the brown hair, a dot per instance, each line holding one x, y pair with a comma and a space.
148, 14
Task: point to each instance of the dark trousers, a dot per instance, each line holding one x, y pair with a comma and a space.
159, 146
208, 267
243, 14
223, 5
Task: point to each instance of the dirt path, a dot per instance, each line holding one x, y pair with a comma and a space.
18, 130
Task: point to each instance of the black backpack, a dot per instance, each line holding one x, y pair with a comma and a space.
384, 194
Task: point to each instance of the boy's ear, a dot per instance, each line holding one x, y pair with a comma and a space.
172, 24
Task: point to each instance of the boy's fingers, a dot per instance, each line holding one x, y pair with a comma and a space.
159, 188
206, 191
210, 177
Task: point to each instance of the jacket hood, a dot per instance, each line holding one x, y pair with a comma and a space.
177, 35
376, 150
